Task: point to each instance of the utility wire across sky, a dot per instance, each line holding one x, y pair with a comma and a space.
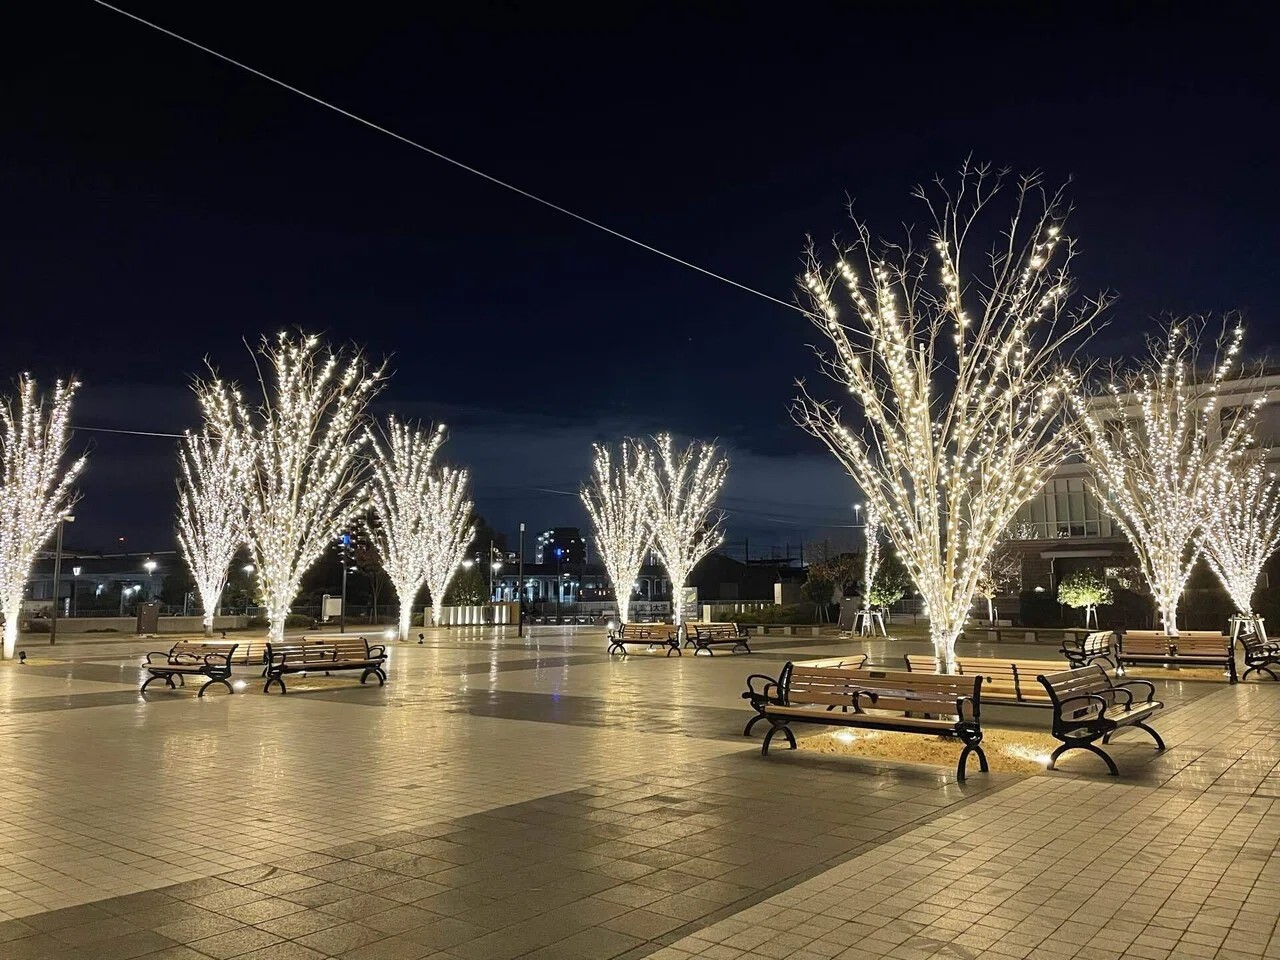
447, 159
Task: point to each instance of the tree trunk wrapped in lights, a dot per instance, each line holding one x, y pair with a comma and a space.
617, 500
682, 493
304, 483
871, 560
1153, 442
447, 532
957, 381
211, 517
399, 501
1241, 525
35, 488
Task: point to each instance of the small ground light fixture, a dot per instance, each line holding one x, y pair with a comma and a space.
22, 656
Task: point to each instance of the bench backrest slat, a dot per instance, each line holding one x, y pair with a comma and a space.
895, 690
1203, 646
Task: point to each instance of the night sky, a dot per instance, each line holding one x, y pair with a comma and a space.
159, 206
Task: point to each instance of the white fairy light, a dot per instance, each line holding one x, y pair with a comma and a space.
400, 508
1153, 446
1241, 527
617, 500
447, 531
958, 383
35, 488
304, 484
682, 493
871, 560
211, 513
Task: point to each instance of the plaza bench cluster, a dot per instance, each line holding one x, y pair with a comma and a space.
1089, 706
324, 654
185, 659
703, 636
1194, 648
1013, 683
933, 705
650, 634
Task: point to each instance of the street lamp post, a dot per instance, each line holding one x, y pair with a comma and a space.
57, 580
150, 567
75, 587
248, 568
520, 587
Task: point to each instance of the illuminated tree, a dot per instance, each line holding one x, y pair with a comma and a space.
1241, 527
35, 487
211, 520
399, 488
1001, 572
305, 477
956, 378
1084, 589
1153, 442
889, 584
683, 488
447, 532
617, 499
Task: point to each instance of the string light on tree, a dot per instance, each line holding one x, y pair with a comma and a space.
1241, 525
1153, 443
304, 483
683, 488
871, 555
35, 487
211, 513
957, 380
447, 531
617, 500
399, 500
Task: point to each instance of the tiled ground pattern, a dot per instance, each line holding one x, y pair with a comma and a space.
535, 798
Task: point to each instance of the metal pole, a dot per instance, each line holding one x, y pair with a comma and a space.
57, 576
342, 616
520, 588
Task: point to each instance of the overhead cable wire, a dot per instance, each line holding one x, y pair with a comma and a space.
447, 159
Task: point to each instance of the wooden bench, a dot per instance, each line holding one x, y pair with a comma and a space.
943, 705
186, 659
763, 689
1089, 649
1195, 648
1259, 655
651, 634
1006, 683
324, 654
702, 636
1089, 706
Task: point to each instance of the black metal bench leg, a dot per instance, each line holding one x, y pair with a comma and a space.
703, 649
150, 680
1154, 736
746, 732
211, 681
1082, 745
274, 679
964, 759
775, 728
374, 672
743, 645
1258, 669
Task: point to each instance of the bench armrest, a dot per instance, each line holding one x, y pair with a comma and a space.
752, 693
1083, 698
162, 654
218, 660
377, 650
1151, 688
859, 694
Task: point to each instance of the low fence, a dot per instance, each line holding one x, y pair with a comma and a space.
129, 625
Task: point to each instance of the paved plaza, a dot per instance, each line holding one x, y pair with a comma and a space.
505, 797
